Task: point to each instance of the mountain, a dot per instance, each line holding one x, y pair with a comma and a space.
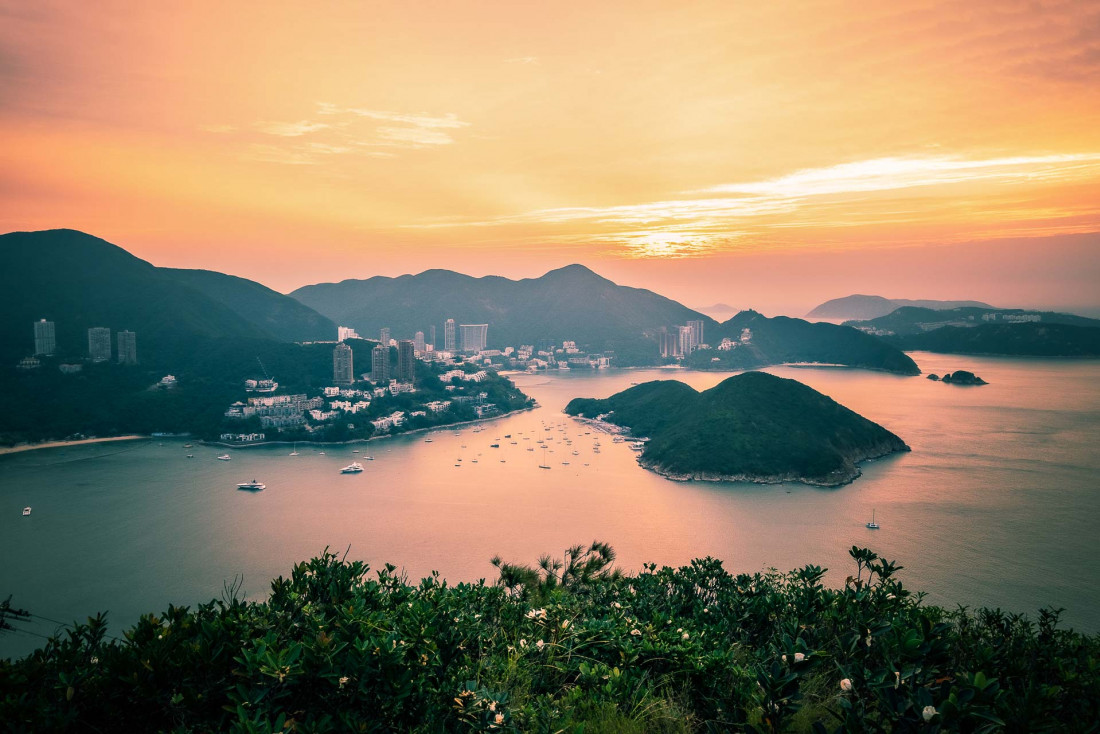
1024, 340
274, 313
869, 307
750, 427
781, 339
913, 320
79, 281
571, 303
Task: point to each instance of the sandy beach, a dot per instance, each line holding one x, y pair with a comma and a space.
59, 444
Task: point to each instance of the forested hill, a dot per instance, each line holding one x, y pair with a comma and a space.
571, 303
753, 426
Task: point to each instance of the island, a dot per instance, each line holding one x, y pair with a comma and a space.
752, 427
962, 377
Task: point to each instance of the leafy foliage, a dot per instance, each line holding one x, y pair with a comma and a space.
689, 649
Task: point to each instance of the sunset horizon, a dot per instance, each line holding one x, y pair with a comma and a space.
295, 146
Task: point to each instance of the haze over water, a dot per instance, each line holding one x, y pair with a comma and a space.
994, 505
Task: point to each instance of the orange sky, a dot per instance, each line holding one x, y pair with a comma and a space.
770, 154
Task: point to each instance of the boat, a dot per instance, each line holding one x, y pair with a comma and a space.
190, 456
355, 451
369, 458
872, 525
26, 511
224, 457
353, 468
427, 440
187, 446
295, 451
494, 445
544, 465
252, 486
320, 453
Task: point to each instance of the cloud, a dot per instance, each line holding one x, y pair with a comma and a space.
815, 198
291, 129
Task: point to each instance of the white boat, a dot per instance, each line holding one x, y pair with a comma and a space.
295, 451
355, 451
190, 456
872, 525
26, 511
353, 468
224, 457
252, 486
321, 453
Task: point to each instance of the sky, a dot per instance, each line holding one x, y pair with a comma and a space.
771, 155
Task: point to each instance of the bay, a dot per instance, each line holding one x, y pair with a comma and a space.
995, 505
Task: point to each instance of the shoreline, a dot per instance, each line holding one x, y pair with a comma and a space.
440, 427
20, 448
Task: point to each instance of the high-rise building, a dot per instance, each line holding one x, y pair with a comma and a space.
44, 340
380, 364
474, 336
384, 337
342, 371
449, 335
345, 332
668, 342
696, 333
431, 336
418, 342
127, 347
99, 343
687, 338
406, 360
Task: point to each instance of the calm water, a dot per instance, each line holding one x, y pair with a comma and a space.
996, 505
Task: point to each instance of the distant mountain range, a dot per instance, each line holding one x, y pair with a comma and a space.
869, 307
187, 318
1017, 340
79, 281
571, 303
750, 427
911, 320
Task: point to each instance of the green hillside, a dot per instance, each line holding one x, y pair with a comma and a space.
781, 339
753, 426
571, 303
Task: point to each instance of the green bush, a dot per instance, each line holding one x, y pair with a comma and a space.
567, 645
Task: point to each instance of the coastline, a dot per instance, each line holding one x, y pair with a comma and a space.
841, 479
441, 426
20, 448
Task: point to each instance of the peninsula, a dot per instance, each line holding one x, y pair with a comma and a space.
750, 427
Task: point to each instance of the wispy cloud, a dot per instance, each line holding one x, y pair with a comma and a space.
829, 196
352, 131
291, 129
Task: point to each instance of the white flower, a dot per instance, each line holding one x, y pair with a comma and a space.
565, 624
799, 657
539, 644
616, 605
929, 713
95, 660
498, 719
343, 681
846, 685
684, 636
493, 706
523, 643
636, 632
868, 641
897, 679
784, 658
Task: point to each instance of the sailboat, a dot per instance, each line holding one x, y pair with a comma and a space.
295, 451
872, 525
544, 465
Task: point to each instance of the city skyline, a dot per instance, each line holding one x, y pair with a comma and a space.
702, 153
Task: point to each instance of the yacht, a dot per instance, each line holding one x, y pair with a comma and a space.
355, 451
26, 511
190, 456
427, 440
872, 525
353, 468
252, 486
224, 457
320, 453
187, 445
294, 452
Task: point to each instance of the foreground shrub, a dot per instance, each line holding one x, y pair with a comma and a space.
567, 645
